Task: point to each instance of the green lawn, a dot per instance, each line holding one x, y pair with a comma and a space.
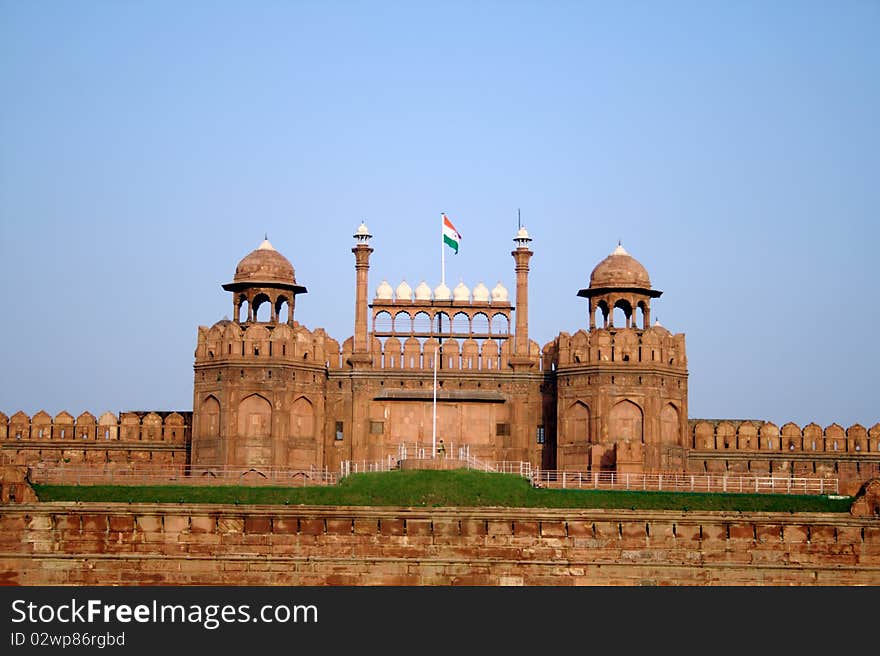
443, 488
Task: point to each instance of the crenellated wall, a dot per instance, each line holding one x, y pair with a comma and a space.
123, 439
156, 544
852, 455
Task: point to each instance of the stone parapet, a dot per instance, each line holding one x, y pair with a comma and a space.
142, 544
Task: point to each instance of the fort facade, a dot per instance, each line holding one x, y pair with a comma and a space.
272, 393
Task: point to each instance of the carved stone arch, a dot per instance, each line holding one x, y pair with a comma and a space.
857, 438
835, 438
480, 324
260, 299
470, 355
451, 355
41, 426
412, 351
500, 324
302, 418
704, 435
461, 323
392, 353
86, 426
626, 422
489, 355
602, 313
383, 322
747, 436
20, 426
725, 435
108, 427
577, 424
173, 428
403, 322
768, 437
209, 417
792, 437
63, 426
670, 424
151, 427
302, 442
254, 440
625, 306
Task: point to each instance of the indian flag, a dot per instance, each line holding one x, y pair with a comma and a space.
451, 236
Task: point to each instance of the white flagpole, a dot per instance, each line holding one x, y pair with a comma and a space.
442, 252
434, 431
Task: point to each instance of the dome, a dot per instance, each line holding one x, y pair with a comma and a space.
264, 265
384, 291
423, 292
500, 294
481, 293
620, 269
461, 293
404, 292
442, 293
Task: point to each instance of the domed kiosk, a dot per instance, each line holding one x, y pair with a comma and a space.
263, 276
620, 281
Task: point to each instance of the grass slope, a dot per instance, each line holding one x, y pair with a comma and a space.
443, 488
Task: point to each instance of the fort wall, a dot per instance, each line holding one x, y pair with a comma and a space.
159, 544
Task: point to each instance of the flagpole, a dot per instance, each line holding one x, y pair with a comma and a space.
442, 254
434, 431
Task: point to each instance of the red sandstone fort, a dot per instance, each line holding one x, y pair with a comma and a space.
271, 394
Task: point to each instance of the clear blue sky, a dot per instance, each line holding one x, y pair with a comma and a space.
734, 148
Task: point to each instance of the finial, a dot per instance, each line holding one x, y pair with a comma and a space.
362, 235
266, 236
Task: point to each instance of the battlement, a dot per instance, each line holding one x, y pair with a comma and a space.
654, 345
227, 341
758, 435
156, 427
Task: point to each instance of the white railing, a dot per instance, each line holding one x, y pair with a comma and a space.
146, 474
348, 467
682, 482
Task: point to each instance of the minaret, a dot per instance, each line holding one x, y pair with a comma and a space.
521, 256
362, 250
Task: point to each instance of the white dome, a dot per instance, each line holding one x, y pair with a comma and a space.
500, 294
384, 291
423, 292
442, 293
404, 292
481, 293
461, 293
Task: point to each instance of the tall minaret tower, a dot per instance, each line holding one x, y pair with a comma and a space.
361, 350
521, 255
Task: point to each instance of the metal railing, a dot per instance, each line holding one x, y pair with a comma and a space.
682, 482
146, 474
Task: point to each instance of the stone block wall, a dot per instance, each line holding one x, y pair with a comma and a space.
143, 544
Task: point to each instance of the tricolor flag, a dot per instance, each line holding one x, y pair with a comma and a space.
451, 236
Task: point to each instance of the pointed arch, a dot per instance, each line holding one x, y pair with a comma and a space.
577, 423
255, 417
625, 422
209, 417
670, 424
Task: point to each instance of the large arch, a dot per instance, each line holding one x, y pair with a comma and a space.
625, 422
254, 417
577, 423
209, 418
301, 454
670, 424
